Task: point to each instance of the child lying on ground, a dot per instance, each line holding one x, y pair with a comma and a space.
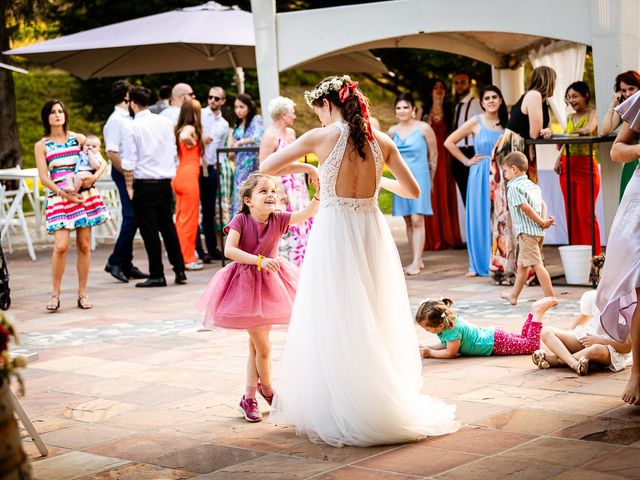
458, 337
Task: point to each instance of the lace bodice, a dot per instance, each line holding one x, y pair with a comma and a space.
329, 175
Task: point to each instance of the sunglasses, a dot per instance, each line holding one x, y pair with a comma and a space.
213, 97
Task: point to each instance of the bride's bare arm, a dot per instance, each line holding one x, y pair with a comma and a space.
404, 183
285, 160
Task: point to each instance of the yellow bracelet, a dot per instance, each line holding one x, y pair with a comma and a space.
260, 257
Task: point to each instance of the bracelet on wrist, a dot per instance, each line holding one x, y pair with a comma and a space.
260, 257
315, 197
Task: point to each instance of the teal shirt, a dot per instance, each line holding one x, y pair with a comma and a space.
474, 341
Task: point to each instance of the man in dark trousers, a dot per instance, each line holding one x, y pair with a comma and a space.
120, 263
467, 106
149, 164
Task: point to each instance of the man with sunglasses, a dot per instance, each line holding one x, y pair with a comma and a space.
180, 93
214, 133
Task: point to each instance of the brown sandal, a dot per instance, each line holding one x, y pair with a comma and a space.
83, 302
582, 367
54, 303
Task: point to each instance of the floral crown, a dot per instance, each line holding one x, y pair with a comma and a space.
345, 87
324, 88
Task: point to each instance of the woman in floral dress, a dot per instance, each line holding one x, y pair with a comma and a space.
294, 194
56, 156
247, 132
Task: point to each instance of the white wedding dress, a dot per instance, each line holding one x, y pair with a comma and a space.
351, 370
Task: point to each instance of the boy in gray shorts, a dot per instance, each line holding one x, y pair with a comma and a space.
528, 216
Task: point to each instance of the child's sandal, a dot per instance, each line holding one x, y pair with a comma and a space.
582, 367
539, 358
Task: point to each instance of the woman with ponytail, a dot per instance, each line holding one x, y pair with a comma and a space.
349, 375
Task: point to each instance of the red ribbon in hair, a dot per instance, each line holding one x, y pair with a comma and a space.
352, 87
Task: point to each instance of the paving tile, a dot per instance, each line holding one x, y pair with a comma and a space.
98, 409
34, 455
482, 441
623, 463
84, 436
206, 458
264, 438
343, 455
495, 468
359, 473
141, 471
418, 459
155, 395
508, 395
579, 474
66, 364
143, 447
579, 403
532, 421
624, 411
566, 453
473, 412
149, 418
271, 467
72, 465
607, 430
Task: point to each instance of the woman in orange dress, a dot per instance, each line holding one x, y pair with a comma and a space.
185, 184
442, 230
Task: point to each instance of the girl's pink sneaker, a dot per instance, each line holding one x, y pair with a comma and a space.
267, 398
249, 408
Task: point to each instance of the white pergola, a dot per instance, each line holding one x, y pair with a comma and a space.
492, 31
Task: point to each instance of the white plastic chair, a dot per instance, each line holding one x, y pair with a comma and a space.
13, 216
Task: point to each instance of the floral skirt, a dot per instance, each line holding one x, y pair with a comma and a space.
64, 214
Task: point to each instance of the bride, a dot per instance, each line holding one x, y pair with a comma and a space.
351, 370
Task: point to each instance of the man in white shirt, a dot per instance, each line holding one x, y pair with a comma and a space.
179, 93
214, 134
150, 150
467, 106
120, 262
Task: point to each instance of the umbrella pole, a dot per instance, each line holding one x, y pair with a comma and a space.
239, 72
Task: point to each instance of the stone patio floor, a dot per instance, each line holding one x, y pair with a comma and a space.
135, 389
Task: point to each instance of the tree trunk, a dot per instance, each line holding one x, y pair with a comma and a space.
10, 153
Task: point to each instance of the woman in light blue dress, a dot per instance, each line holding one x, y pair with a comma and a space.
486, 129
418, 146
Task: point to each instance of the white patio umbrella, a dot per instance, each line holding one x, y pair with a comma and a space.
12, 68
196, 38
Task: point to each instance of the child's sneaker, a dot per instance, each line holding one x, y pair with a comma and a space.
249, 408
267, 398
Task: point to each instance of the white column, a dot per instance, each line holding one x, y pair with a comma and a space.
510, 82
264, 25
615, 40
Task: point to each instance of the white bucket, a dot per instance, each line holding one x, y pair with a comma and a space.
576, 263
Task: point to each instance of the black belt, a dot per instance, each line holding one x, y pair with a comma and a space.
151, 180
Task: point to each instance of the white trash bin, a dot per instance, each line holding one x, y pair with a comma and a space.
576, 263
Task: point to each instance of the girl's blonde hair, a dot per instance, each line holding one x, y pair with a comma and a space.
543, 80
436, 313
246, 188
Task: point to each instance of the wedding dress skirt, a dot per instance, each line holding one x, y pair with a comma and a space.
351, 370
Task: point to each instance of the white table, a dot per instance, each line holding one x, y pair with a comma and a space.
22, 174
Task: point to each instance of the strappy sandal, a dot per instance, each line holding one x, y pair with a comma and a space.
83, 302
582, 367
54, 303
539, 358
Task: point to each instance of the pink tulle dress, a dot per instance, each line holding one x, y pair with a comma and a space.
240, 296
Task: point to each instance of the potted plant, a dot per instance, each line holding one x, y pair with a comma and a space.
13, 461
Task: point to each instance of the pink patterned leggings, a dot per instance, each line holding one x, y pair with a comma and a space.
509, 343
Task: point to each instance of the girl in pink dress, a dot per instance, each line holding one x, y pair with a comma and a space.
257, 289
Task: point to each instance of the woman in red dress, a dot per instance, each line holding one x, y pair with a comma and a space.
442, 227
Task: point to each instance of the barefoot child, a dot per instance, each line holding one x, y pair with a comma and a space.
528, 215
257, 289
586, 343
458, 337
88, 163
